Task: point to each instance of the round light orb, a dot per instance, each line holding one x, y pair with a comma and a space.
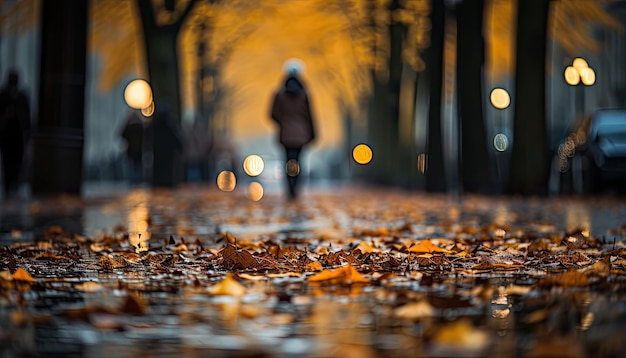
588, 76
226, 180
148, 111
292, 168
572, 77
138, 94
500, 98
362, 154
500, 142
579, 63
253, 165
255, 191
422, 162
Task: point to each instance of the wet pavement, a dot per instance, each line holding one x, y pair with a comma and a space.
502, 279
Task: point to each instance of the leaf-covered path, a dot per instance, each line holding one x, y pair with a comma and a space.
348, 272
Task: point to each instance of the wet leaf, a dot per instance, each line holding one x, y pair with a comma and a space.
233, 258
228, 287
425, 247
346, 275
21, 275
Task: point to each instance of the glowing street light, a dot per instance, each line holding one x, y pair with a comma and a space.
579, 72
501, 100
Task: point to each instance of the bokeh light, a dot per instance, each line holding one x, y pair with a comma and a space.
292, 168
422, 162
362, 154
500, 142
500, 98
255, 191
579, 64
226, 180
572, 77
148, 111
138, 94
253, 165
588, 76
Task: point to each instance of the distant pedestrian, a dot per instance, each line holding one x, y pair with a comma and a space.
14, 132
291, 109
133, 135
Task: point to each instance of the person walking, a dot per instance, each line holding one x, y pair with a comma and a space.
133, 135
291, 110
14, 132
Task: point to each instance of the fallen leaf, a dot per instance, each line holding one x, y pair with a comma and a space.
314, 266
234, 258
346, 275
425, 247
21, 275
365, 247
228, 287
600, 268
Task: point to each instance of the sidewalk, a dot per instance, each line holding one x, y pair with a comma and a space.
345, 270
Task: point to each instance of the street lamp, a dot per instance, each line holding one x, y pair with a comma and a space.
500, 100
575, 74
579, 75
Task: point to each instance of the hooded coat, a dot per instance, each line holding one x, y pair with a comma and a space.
292, 111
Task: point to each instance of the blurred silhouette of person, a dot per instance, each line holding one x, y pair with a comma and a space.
196, 151
14, 132
166, 147
291, 110
133, 134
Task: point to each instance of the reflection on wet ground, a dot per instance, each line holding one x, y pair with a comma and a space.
138, 273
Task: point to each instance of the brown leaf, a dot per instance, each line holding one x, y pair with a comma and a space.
237, 259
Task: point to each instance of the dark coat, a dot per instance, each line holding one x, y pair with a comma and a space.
292, 111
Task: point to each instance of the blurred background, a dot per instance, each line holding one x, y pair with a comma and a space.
487, 96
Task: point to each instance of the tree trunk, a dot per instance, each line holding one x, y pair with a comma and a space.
162, 55
58, 142
476, 173
529, 169
435, 175
162, 59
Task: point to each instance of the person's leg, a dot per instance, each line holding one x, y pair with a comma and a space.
12, 161
292, 170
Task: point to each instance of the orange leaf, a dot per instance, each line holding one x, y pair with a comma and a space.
425, 247
314, 266
345, 275
21, 275
326, 275
228, 287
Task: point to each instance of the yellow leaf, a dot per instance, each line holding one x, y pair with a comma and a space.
314, 266
228, 287
21, 275
365, 247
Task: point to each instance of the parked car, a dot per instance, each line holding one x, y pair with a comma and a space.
592, 158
